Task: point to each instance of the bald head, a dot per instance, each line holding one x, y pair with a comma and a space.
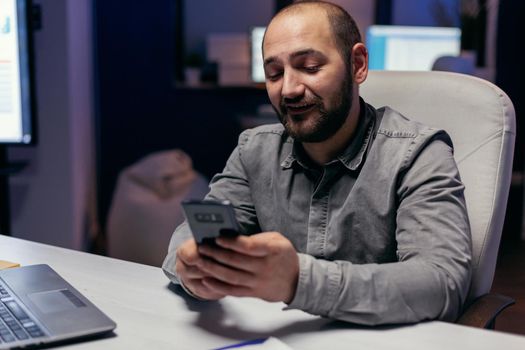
342, 26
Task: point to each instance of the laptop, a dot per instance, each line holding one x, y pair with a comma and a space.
38, 307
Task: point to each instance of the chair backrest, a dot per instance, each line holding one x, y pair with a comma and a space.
480, 119
456, 64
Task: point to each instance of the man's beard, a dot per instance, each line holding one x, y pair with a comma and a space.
328, 122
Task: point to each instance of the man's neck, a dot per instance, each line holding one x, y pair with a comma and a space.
323, 152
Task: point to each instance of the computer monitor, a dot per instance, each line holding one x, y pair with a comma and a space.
257, 68
390, 47
410, 48
17, 113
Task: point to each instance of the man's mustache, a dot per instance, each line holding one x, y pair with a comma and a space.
299, 101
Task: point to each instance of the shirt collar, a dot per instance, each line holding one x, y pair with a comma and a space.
353, 155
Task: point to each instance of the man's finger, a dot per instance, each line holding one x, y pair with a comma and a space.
231, 258
226, 274
187, 252
222, 288
198, 288
256, 245
188, 271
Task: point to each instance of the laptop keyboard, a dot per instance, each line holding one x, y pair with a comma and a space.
15, 324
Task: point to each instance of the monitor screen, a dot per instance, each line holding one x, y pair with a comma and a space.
390, 47
16, 98
257, 69
410, 48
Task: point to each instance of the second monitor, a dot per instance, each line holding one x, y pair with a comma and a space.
390, 47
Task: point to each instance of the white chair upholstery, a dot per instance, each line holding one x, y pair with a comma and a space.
480, 119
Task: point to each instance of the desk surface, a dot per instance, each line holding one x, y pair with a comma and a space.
149, 314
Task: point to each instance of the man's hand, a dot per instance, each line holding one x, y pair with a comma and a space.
264, 265
186, 266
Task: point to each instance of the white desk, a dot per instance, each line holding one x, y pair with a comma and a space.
151, 316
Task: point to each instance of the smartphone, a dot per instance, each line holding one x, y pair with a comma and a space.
209, 219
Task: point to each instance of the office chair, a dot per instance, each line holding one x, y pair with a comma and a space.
456, 64
480, 119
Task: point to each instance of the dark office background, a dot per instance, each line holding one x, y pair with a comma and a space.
142, 107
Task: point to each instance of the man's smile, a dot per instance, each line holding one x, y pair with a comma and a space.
297, 109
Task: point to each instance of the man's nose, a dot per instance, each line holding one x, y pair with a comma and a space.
292, 86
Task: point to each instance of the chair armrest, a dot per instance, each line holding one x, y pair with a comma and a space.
483, 311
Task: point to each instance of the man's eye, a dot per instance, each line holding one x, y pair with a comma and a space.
312, 69
274, 76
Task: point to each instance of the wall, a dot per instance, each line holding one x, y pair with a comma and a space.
362, 11
224, 16
50, 198
425, 12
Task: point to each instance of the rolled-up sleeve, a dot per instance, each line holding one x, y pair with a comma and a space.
431, 278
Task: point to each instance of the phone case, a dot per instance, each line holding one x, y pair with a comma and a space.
210, 219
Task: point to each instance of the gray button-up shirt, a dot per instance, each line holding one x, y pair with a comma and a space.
382, 231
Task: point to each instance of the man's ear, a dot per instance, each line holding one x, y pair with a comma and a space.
360, 62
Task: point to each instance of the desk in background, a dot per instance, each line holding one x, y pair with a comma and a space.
150, 314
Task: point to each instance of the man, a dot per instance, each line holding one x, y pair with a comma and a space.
347, 211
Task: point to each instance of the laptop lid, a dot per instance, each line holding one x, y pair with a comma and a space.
37, 306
